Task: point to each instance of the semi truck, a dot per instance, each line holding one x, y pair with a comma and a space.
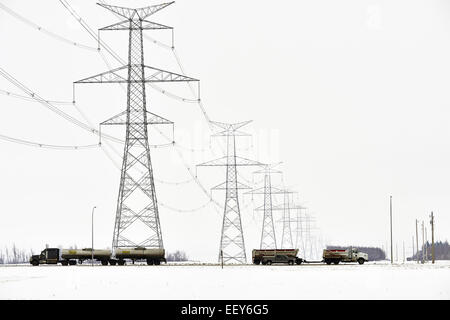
283, 256
73, 256
348, 255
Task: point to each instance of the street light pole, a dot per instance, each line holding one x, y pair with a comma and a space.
390, 207
92, 245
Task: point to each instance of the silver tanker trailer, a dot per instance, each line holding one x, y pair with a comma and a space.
151, 255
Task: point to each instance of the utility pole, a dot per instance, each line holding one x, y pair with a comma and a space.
232, 246
432, 237
404, 257
92, 244
423, 243
390, 207
137, 206
412, 249
396, 252
426, 245
417, 243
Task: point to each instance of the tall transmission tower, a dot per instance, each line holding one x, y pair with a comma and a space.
300, 228
286, 220
137, 222
268, 235
286, 235
232, 245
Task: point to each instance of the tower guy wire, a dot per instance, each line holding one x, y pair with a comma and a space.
232, 245
136, 183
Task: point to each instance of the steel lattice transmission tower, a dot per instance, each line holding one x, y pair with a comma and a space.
268, 236
137, 218
286, 236
232, 244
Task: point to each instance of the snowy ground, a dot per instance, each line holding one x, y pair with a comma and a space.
368, 281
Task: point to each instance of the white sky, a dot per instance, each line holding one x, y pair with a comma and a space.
350, 95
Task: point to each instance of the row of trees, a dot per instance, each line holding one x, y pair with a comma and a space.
14, 255
441, 249
177, 256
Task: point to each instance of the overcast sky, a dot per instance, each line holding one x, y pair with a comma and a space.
352, 97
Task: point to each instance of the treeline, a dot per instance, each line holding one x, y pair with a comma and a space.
14, 255
374, 253
441, 249
177, 256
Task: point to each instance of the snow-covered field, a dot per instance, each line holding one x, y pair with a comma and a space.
368, 281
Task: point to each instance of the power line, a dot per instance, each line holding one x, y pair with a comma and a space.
47, 146
51, 107
22, 97
43, 30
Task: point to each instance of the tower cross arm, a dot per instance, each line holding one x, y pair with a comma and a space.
224, 186
148, 11
240, 161
273, 190
214, 163
120, 75
140, 13
121, 119
125, 25
127, 13
158, 75
224, 161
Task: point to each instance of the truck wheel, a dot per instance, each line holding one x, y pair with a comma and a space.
112, 262
264, 263
336, 261
269, 262
328, 261
121, 262
256, 262
149, 262
157, 262
80, 261
291, 262
298, 261
65, 263
361, 261
35, 263
72, 262
104, 262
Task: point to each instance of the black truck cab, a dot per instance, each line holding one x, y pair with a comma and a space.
47, 256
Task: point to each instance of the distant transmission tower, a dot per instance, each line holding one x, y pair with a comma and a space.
137, 221
286, 236
232, 245
268, 235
